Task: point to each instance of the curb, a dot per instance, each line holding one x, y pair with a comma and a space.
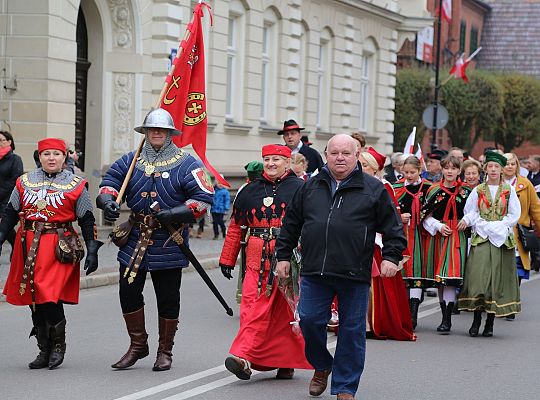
111, 278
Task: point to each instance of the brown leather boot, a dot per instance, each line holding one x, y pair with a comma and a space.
42, 334
318, 383
167, 330
138, 347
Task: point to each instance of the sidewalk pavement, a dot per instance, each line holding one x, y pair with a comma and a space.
205, 249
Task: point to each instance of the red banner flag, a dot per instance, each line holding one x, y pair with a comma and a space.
185, 94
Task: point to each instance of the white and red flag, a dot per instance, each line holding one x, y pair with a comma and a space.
185, 93
420, 156
459, 70
409, 145
447, 10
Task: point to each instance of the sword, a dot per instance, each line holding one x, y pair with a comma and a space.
243, 244
179, 240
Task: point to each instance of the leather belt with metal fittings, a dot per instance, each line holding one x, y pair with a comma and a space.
146, 224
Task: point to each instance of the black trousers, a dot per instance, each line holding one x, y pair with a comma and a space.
166, 284
48, 313
217, 221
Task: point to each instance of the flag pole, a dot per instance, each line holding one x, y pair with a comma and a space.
437, 68
158, 103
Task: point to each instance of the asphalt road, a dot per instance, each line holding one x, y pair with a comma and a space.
433, 367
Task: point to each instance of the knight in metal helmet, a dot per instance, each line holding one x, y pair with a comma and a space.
158, 118
167, 176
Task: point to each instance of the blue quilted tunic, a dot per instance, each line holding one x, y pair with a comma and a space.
169, 187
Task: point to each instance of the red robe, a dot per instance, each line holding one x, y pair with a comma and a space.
265, 337
389, 314
53, 280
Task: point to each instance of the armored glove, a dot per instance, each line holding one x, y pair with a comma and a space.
91, 262
178, 214
226, 271
110, 207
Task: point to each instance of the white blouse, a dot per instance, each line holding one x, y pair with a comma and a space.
495, 231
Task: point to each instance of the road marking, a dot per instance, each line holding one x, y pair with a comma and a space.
195, 377
187, 394
172, 384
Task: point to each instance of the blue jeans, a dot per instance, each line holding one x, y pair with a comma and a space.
317, 293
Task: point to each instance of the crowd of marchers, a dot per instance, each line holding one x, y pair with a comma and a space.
350, 243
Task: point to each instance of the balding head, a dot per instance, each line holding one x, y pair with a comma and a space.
341, 155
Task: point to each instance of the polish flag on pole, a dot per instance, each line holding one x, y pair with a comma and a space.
460, 67
447, 10
409, 145
420, 156
185, 94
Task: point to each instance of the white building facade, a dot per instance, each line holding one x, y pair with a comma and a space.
89, 70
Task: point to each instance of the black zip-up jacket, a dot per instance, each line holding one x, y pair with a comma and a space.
338, 231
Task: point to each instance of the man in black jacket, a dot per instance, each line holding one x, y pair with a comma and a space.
291, 136
336, 214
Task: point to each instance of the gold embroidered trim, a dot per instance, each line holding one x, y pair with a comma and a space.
170, 161
72, 185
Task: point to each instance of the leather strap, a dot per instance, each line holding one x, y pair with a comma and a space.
146, 224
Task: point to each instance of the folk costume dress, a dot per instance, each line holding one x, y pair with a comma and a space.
410, 198
388, 312
46, 203
445, 255
265, 337
491, 283
530, 211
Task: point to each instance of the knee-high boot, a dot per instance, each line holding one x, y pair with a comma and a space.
57, 335
42, 335
138, 347
446, 324
414, 303
167, 330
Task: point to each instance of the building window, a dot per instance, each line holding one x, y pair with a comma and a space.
235, 44
269, 67
473, 43
324, 75
462, 36
302, 67
364, 92
367, 85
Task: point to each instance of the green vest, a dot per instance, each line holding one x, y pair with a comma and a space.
494, 210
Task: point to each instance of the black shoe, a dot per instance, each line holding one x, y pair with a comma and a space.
475, 327
446, 324
511, 317
488, 327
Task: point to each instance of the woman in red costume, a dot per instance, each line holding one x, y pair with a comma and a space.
410, 193
46, 201
265, 340
388, 310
